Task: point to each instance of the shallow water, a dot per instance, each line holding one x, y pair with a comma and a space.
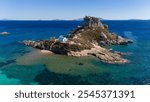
60, 64
24, 65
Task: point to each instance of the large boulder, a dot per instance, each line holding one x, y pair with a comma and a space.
123, 41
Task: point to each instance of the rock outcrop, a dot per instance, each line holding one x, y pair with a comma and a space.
86, 40
92, 22
4, 33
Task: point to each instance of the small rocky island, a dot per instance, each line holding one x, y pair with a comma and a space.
4, 33
89, 39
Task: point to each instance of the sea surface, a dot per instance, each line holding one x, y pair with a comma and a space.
21, 65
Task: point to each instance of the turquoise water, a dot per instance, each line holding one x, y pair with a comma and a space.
21, 65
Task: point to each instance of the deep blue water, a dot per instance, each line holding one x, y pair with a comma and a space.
92, 72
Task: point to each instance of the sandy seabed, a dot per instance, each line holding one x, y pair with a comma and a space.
69, 65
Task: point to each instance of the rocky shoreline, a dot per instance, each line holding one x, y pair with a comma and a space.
86, 40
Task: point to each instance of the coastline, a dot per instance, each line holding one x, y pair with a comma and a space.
46, 52
103, 54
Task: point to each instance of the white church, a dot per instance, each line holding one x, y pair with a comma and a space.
62, 39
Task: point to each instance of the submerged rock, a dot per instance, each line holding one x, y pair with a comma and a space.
2, 64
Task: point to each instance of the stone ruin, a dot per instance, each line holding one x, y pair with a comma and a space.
92, 22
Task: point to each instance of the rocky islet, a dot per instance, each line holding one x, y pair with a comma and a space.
86, 40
